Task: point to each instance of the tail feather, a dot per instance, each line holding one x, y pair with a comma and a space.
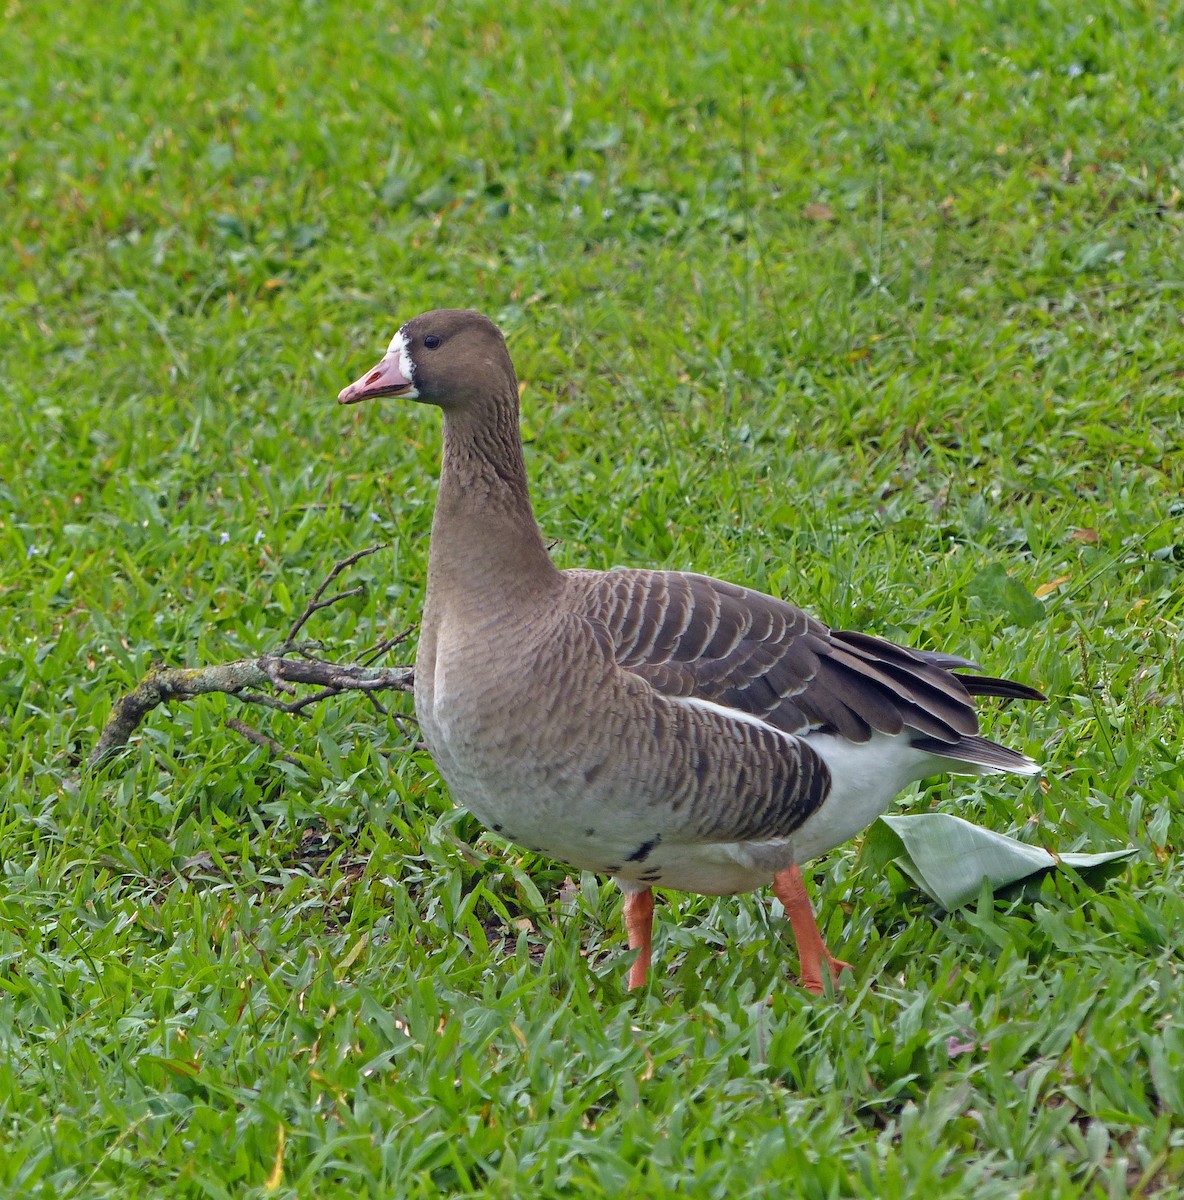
948, 662
989, 685
983, 756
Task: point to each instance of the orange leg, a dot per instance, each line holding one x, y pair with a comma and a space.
639, 925
790, 889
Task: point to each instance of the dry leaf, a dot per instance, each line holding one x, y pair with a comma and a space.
818, 212
276, 1177
339, 971
1051, 586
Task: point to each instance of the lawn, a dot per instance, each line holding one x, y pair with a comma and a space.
872, 305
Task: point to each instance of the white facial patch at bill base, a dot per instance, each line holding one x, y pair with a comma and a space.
398, 348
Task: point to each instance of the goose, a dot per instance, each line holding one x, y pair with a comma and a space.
660, 727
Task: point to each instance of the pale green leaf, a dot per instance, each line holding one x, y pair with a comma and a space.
948, 858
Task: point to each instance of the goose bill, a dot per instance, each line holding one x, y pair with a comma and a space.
385, 379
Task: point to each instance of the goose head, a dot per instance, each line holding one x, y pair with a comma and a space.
453, 357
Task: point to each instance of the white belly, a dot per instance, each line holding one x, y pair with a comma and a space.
865, 778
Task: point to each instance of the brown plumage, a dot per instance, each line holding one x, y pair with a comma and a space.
658, 726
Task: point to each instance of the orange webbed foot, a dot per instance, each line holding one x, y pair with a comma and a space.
790, 889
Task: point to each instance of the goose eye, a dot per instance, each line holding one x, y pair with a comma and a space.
431, 341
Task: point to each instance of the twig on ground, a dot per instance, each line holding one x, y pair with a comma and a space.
376, 651
253, 680
317, 603
260, 739
163, 684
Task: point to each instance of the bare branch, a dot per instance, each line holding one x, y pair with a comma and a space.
317, 603
387, 644
243, 679
270, 665
260, 739
298, 706
254, 680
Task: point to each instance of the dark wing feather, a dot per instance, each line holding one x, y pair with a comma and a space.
989, 685
693, 636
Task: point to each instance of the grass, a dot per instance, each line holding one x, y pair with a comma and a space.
875, 306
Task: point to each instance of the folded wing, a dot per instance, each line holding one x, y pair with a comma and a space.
699, 638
